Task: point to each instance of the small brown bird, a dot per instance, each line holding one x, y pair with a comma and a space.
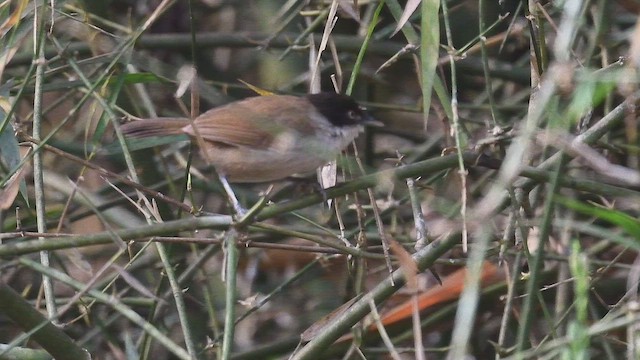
267, 138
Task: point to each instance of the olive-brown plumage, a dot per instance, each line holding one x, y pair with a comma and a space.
267, 138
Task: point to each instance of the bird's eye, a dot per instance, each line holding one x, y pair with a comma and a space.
353, 115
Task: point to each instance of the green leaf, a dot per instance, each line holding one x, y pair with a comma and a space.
141, 78
629, 224
590, 91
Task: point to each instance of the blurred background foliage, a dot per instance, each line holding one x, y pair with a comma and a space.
522, 168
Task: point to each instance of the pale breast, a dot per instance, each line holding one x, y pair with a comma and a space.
262, 166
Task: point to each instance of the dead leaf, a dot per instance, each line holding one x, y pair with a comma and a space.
407, 264
12, 187
316, 328
409, 9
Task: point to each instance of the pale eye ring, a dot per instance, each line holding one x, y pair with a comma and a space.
353, 115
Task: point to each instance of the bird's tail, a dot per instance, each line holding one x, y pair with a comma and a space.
154, 127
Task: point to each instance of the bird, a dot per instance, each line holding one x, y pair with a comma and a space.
266, 138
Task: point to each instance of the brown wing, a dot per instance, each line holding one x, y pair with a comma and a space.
254, 122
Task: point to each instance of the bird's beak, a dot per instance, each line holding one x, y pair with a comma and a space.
371, 121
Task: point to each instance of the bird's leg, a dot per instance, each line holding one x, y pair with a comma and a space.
240, 211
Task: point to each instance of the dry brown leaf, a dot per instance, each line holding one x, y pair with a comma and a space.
317, 327
407, 264
12, 188
409, 9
